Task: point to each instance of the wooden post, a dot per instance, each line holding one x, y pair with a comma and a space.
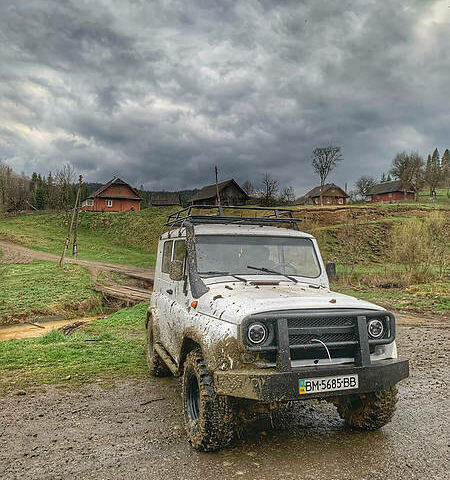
75, 232
69, 229
217, 187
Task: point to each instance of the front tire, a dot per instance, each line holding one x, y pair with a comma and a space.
369, 411
155, 363
209, 418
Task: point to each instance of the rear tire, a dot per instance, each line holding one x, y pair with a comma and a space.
369, 411
209, 418
155, 363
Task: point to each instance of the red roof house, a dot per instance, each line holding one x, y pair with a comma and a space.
115, 196
331, 194
388, 192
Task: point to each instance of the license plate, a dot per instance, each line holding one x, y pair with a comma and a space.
327, 384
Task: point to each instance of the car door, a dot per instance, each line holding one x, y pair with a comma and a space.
162, 294
178, 303
172, 304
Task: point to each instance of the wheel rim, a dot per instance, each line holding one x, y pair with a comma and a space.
193, 397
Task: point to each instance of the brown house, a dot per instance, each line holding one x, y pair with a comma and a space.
331, 194
115, 196
165, 199
388, 192
229, 191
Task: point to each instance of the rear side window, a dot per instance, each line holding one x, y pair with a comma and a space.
180, 250
167, 256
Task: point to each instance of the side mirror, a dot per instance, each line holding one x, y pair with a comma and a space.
176, 270
330, 268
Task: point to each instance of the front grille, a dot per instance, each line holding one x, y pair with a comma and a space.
304, 334
325, 338
300, 322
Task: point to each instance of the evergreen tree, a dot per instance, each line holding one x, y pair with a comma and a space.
433, 172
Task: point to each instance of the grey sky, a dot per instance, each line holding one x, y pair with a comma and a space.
158, 92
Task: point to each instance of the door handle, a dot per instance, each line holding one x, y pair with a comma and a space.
169, 291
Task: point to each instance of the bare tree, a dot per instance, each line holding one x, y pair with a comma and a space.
248, 188
287, 196
324, 159
269, 190
408, 168
363, 185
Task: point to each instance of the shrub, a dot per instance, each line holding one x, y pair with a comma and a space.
421, 246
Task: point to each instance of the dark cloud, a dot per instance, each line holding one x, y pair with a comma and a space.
160, 92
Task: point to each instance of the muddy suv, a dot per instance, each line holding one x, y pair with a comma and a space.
242, 310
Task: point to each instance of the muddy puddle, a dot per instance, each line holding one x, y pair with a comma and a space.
38, 329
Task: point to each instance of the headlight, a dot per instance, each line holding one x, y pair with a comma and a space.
257, 333
375, 328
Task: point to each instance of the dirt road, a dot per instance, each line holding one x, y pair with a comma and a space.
101, 433
141, 278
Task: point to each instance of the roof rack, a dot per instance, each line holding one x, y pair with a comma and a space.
274, 216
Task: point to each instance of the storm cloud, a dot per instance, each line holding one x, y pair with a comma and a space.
159, 92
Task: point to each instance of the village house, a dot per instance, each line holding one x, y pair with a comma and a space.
230, 193
388, 192
115, 196
331, 194
165, 199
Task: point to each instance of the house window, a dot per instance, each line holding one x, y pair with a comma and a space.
167, 256
90, 202
109, 203
328, 200
341, 201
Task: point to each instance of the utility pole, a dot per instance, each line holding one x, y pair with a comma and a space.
75, 232
217, 186
69, 229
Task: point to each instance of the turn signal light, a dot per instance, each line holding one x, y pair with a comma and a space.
194, 304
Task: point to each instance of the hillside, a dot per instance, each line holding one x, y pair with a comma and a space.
358, 238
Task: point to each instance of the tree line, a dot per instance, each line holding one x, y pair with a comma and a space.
413, 172
56, 191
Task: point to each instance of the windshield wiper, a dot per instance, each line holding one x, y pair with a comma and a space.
262, 269
266, 270
225, 274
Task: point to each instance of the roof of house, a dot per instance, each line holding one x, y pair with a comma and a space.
315, 192
115, 181
165, 198
209, 191
387, 187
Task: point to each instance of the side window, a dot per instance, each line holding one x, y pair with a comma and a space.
180, 250
167, 256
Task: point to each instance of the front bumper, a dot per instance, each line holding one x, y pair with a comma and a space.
271, 386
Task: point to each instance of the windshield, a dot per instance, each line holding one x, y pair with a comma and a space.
235, 254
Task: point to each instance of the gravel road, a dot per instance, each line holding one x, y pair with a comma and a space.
135, 431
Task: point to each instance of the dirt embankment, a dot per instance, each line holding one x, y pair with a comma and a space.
135, 431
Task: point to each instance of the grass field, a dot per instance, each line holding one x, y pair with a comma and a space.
126, 238
108, 348
42, 288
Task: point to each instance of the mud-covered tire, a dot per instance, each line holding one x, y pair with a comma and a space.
156, 365
369, 411
209, 418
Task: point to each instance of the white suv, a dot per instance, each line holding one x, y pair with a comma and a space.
242, 309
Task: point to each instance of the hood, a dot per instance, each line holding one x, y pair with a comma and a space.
234, 301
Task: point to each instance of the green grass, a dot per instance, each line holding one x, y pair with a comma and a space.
43, 288
442, 197
434, 298
108, 348
128, 238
